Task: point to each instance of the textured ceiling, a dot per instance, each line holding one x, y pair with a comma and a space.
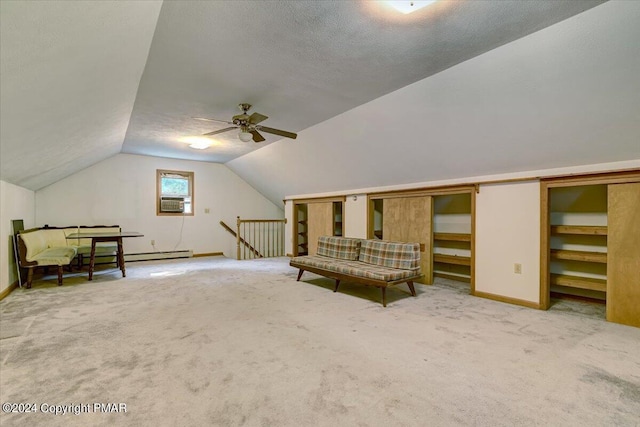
566, 98
303, 62
69, 72
74, 91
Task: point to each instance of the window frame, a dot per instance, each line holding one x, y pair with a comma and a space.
190, 176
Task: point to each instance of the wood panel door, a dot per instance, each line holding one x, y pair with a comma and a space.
623, 254
408, 219
319, 223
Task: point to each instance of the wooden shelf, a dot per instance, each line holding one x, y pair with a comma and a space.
302, 245
591, 230
579, 282
452, 259
453, 276
452, 237
304, 221
586, 256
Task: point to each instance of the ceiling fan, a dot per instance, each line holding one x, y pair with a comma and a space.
248, 125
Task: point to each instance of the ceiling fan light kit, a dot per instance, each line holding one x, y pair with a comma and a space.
245, 136
248, 125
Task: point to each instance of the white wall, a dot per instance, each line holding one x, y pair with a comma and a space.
508, 232
354, 212
122, 189
15, 203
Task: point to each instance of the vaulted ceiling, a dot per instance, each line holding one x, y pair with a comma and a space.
82, 81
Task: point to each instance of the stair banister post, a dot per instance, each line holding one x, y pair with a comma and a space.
238, 239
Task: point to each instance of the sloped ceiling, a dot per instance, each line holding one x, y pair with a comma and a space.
302, 62
74, 91
565, 96
69, 76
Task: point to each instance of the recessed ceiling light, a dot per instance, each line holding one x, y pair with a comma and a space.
409, 6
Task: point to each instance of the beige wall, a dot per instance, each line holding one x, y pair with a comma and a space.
354, 212
15, 203
508, 232
122, 189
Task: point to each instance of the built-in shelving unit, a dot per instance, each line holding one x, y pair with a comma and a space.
440, 220
588, 241
578, 241
314, 218
302, 229
452, 237
337, 219
377, 218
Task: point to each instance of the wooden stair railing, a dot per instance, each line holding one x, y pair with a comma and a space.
265, 235
246, 244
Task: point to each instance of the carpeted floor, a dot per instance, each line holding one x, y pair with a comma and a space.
219, 342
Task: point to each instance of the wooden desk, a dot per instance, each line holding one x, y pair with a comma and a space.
105, 237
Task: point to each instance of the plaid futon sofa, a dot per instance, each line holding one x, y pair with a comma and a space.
370, 262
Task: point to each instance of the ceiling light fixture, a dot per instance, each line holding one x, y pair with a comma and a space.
245, 136
409, 6
200, 145
197, 142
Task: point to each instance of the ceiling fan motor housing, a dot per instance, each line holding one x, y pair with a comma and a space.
242, 119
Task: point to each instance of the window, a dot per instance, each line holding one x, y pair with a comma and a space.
174, 193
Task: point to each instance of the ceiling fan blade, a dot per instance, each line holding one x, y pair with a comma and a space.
256, 136
215, 132
279, 132
212, 120
257, 118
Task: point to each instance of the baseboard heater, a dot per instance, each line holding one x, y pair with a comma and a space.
145, 256
151, 256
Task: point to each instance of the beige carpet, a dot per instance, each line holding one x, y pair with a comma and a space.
219, 342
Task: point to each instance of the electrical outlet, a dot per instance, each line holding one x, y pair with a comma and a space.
517, 268
153, 243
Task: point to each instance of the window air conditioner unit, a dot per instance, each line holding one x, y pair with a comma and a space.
172, 204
